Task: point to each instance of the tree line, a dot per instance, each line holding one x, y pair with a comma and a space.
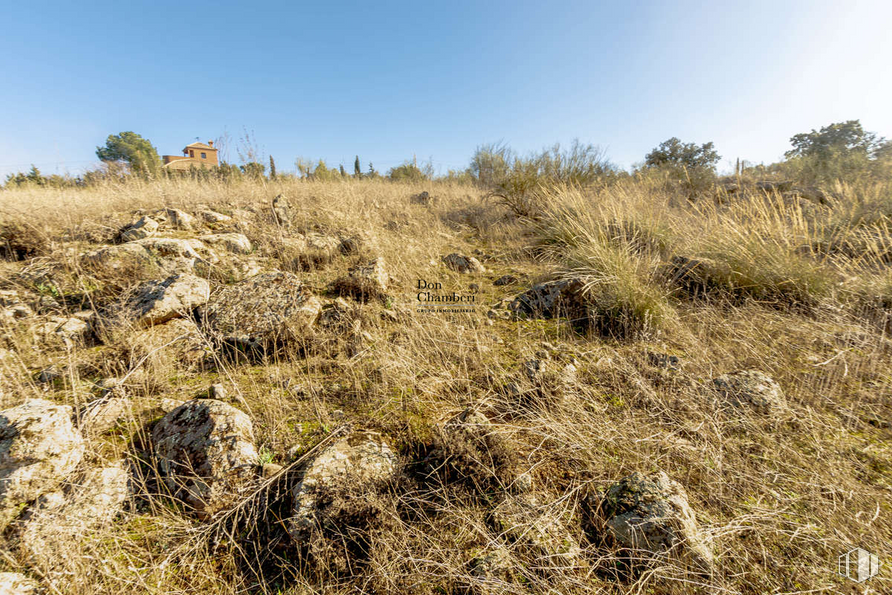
838, 151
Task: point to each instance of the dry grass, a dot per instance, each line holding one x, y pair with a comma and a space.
797, 290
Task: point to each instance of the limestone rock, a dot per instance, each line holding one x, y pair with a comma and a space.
143, 228
168, 405
210, 216
206, 454
282, 211
321, 249
463, 264
261, 312
117, 257
100, 415
181, 219
751, 389
505, 280
552, 299
361, 459
156, 302
176, 344
176, 248
39, 448
492, 572
365, 281
235, 243
60, 519
651, 514
73, 329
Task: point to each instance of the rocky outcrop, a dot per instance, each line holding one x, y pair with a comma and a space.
181, 219
60, 519
176, 248
463, 264
13, 306
236, 243
553, 299
366, 281
144, 228
360, 460
492, 572
751, 389
69, 331
210, 216
261, 313
156, 302
39, 448
177, 344
117, 257
282, 211
102, 414
651, 515
205, 453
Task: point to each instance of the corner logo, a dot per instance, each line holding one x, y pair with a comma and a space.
858, 565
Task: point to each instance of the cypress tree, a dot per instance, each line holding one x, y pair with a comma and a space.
357, 172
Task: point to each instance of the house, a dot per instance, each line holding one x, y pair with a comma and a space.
194, 155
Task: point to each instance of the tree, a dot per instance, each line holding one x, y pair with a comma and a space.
675, 153
357, 172
35, 177
132, 149
491, 163
407, 172
272, 168
372, 172
252, 169
844, 138
839, 151
343, 171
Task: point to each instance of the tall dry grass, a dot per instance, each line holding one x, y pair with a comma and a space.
797, 290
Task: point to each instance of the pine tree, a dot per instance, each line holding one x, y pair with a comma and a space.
272, 168
35, 176
357, 172
343, 171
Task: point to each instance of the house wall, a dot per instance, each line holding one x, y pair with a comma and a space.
183, 163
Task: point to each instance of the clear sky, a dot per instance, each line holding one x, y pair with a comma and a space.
387, 80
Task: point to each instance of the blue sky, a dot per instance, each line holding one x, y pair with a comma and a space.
387, 80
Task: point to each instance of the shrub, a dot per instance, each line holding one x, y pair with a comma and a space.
407, 172
523, 187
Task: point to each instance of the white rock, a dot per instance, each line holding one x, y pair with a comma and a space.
206, 454
180, 219
156, 302
39, 448
360, 459
143, 228
236, 243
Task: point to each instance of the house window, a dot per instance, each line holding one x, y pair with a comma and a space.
191, 153
204, 155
